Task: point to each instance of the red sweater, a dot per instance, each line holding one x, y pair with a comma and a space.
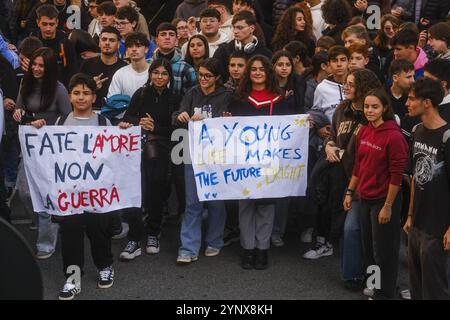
380, 160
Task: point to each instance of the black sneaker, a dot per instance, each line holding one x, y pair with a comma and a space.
232, 236
261, 259
106, 278
152, 245
248, 260
69, 291
131, 251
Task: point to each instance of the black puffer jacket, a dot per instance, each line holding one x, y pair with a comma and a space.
434, 10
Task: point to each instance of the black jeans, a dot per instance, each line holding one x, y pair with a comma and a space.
381, 242
328, 198
97, 227
232, 220
154, 179
428, 265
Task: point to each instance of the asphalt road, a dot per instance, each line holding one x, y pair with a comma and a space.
289, 277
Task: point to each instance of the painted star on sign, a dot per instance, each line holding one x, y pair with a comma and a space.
300, 122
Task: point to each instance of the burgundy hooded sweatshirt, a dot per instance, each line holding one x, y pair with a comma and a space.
380, 160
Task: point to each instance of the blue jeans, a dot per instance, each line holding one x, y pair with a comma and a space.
352, 255
191, 227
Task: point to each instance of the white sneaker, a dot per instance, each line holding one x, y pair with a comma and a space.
320, 250
69, 291
405, 294
306, 236
369, 292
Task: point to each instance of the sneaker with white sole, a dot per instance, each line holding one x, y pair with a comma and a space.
211, 252
306, 236
277, 242
320, 250
106, 278
230, 237
405, 294
369, 292
152, 245
185, 260
41, 255
131, 251
69, 291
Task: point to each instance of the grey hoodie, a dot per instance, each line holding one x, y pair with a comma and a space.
195, 101
190, 8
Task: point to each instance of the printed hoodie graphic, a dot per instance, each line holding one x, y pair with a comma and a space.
381, 158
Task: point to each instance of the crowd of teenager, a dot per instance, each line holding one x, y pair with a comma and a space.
379, 114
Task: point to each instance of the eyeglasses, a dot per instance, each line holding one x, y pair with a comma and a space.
163, 74
121, 23
206, 76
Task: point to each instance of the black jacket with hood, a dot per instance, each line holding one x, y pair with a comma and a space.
224, 51
65, 53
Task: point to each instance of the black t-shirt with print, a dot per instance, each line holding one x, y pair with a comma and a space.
95, 67
431, 169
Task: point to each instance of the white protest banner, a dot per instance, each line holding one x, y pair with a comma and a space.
249, 157
72, 169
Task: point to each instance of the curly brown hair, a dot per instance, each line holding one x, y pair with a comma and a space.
365, 80
286, 31
336, 12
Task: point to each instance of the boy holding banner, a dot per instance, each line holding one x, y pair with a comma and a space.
96, 226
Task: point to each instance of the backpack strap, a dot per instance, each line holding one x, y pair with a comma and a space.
101, 120
62, 119
415, 128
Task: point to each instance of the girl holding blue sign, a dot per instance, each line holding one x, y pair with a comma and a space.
209, 99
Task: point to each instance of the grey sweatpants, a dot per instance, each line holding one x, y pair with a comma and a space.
255, 224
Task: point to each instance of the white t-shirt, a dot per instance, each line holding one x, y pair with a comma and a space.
126, 81
318, 23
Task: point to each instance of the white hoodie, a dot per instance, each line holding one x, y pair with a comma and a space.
327, 97
223, 38
318, 23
